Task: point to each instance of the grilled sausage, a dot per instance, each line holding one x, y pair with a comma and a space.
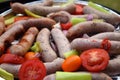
48, 54
25, 43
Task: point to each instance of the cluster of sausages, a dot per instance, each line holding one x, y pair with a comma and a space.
41, 29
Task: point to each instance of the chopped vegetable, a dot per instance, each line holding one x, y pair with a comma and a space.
6, 75
36, 47
75, 21
32, 69
69, 53
95, 60
29, 13
18, 18
66, 26
11, 58
93, 5
72, 63
30, 55
73, 76
10, 20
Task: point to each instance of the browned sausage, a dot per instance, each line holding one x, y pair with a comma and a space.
95, 76
2, 25
113, 67
64, 17
61, 16
82, 44
8, 36
21, 26
109, 35
110, 17
61, 41
20, 8
25, 43
54, 66
48, 54
89, 27
37, 22
45, 10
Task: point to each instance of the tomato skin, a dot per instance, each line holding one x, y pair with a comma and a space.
66, 26
11, 58
95, 60
32, 69
72, 63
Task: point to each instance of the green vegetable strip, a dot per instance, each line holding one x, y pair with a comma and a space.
69, 53
36, 47
75, 21
95, 6
7, 76
73, 76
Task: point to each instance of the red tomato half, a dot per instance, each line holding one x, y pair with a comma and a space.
32, 69
95, 60
11, 58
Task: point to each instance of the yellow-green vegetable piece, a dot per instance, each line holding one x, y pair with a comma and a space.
29, 13
69, 53
36, 47
75, 21
6, 75
95, 6
10, 20
73, 76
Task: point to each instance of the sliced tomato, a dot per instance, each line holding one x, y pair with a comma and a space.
95, 60
21, 18
32, 69
66, 26
11, 58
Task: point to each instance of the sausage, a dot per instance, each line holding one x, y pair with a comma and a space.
54, 66
110, 17
48, 54
37, 22
95, 76
109, 35
25, 43
45, 10
20, 8
82, 44
11, 68
61, 16
8, 36
20, 27
61, 41
89, 27
113, 67
100, 76
2, 25
64, 17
